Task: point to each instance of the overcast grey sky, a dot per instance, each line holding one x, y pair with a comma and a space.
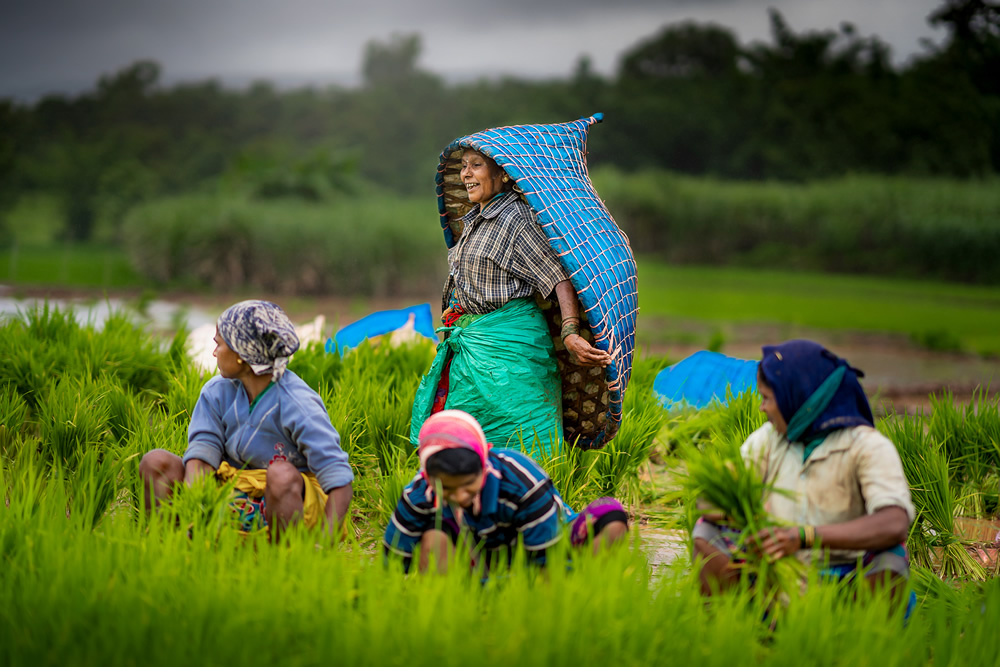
65, 45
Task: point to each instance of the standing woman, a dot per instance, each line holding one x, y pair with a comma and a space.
260, 424
498, 359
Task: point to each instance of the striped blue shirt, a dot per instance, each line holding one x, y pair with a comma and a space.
523, 504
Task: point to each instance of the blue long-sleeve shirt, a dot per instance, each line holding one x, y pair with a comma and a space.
289, 420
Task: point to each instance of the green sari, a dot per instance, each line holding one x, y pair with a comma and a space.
503, 372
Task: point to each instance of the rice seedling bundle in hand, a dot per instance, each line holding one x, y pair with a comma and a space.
720, 477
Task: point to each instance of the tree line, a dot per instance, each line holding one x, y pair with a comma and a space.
689, 99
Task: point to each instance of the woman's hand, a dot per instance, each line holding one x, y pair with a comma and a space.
581, 352
775, 542
195, 469
585, 354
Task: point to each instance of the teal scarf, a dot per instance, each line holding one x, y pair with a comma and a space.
814, 406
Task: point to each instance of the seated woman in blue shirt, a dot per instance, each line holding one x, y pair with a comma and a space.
260, 424
498, 495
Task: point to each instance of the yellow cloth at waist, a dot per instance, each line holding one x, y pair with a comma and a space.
253, 483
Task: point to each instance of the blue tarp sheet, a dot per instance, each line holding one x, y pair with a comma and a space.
382, 322
703, 377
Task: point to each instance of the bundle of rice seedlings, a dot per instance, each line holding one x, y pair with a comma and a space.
73, 417
572, 471
13, 413
720, 477
970, 438
929, 474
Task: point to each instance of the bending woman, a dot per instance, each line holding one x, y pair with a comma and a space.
260, 424
497, 496
497, 361
838, 482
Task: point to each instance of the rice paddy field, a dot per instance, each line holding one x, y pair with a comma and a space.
87, 577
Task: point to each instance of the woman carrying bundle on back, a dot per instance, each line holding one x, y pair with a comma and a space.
838, 484
506, 372
260, 424
496, 496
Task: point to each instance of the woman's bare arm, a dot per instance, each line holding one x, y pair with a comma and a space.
583, 352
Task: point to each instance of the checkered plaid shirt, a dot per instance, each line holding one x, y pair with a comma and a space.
502, 255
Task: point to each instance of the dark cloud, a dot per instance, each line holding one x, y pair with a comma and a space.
67, 45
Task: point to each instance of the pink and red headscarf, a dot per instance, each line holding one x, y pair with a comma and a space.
453, 429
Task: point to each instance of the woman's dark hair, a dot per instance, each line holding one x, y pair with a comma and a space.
456, 462
761, 379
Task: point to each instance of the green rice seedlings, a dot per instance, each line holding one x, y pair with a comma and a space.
572, 471
728, 484
128, 414
183, 389
971, 440
13, 413
315, 366
50, 324
202, 508
347, 416
122, 349
72, 418
929, 475
92, 486
612, 470
736, 419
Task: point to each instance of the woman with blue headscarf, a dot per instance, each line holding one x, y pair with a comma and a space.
838, 484
259, 425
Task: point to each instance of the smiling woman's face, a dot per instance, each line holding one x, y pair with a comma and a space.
482, 178
459, 489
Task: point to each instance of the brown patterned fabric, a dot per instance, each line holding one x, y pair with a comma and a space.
585, 395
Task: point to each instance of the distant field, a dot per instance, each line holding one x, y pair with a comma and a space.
935, 313
70, 266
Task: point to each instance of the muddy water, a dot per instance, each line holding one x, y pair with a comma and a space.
662, 547
159, 315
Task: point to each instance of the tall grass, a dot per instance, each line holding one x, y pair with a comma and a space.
352, 246
857, 224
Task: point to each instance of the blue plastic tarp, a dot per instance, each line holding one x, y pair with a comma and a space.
703, 378
382, 322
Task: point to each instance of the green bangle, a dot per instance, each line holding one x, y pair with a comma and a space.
802, 537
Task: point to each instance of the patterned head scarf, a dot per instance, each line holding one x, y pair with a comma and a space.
261, 333
453, 429
816, 391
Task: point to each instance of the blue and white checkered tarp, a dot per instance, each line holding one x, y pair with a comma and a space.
704, 378
548, 163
